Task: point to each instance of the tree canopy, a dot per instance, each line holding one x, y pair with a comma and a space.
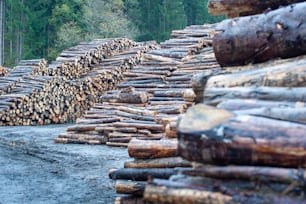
43, 28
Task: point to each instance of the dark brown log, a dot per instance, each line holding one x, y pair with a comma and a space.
269, 36
291, 73
142, 174
214, 96
247, 140
152, 149
252, 173
234, 8
130, 187
167, 162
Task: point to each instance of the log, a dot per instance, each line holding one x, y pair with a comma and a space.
252, 173
130, 187
216, 136
234, 8
214, 96
76, 141
140, 125
131, 200
186, 189
152, 149
291, 73
159, 192
297, 115
268, 37
167, 162
245, 104
142, 174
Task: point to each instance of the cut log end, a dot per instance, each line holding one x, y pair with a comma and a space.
193, 119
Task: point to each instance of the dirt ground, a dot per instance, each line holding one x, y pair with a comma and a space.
33, 169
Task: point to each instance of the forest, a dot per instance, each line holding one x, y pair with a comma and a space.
42, 28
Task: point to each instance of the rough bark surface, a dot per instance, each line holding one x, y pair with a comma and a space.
279, 33
234, 8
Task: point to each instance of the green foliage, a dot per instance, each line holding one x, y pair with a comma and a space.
43, 28
157, 18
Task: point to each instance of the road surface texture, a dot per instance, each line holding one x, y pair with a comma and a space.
33, 169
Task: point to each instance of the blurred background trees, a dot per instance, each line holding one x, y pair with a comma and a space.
43, 28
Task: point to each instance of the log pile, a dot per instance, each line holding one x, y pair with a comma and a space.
147, 102
247, 146
36, 94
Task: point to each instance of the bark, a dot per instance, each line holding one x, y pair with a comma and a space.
245, 104
130, 187
241, 139
278, 33
168, 192
234, 8
143, 174
289, 73
252, 173
186, 189
214, 96
167, 162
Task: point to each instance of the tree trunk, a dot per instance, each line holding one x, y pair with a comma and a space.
251, 173
234, 8
214, 96
288, 73
279, 33
241, 139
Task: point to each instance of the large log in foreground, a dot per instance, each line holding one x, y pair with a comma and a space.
252, 173
234, 8
211, 135
279, 33
214, 96
196, 190
279, 73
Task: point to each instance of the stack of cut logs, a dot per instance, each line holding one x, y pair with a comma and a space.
34, 94
148, 101
246, 142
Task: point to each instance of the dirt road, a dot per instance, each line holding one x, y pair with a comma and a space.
33, 169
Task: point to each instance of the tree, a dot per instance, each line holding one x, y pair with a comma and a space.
1, 31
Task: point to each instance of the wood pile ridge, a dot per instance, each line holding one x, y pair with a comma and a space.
147, 103
245, 142
35, 93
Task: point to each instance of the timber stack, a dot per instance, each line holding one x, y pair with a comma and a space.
146, 104
36, 94
245, 140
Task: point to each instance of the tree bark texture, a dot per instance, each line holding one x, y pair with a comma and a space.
240, 139
234, 8
252, 39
